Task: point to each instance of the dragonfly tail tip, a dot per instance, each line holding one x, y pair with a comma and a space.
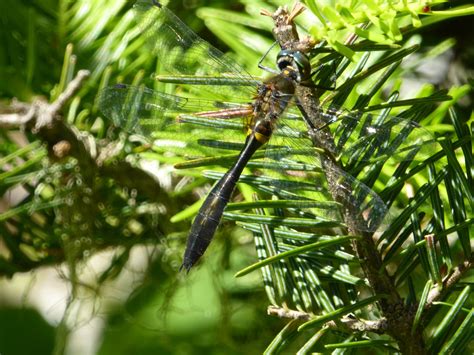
186, 266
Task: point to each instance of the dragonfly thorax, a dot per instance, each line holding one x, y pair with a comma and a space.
272, 98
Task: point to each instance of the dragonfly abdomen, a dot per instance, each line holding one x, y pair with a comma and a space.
208, 219
210, 213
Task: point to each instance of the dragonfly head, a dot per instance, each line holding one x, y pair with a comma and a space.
295, 63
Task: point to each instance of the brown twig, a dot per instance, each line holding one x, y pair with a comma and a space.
346, 323
40, 113
287, 313
449, 281
17, 119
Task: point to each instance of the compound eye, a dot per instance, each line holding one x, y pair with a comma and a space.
295, 59
303, 64
284, 59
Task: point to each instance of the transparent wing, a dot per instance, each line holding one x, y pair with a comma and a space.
133, 108
180, 51
361, 139
367, 137
295, 172
376, 136
137, 109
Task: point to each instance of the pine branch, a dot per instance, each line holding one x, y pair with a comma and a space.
450, 280
398, 316
64, 141
46, 120
346, 323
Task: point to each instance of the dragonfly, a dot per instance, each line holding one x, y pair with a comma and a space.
189, 59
